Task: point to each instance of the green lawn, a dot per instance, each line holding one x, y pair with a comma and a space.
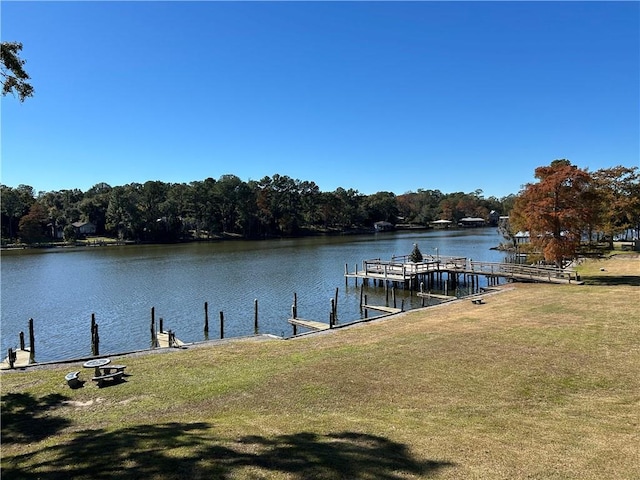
541, 381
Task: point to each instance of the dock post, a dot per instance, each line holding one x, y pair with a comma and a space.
10, 357
294, 307
366, 311
93, 332
21, 340
32, 341
96, 342
161, 325
346, 273
154, 339
361, 296
335, 306
221, 324
255, 316
393, 294
332, 315
402, 305
206, 318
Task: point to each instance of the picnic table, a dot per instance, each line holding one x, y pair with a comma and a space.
97, 363
104, 371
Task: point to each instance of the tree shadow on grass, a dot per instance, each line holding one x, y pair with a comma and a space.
611, 280
26, 419
194, 451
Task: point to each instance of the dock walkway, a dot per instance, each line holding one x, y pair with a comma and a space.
309, 324
400, 270
164, 340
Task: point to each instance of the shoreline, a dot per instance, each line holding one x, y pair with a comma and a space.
489, 291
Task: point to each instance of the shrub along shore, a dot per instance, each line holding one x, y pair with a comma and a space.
538, 382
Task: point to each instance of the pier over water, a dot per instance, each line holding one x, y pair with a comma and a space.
400, 271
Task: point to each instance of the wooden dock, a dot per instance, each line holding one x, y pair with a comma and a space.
163, 340
382, 308
23, 358
400, 270
310, 324
446, 298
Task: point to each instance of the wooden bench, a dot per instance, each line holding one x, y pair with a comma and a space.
112, 369
72, 379
114, 377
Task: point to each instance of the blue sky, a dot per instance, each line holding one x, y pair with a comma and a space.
374, 96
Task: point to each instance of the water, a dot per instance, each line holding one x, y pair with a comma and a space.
61, 288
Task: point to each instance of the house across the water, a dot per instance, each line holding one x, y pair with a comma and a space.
84, 228
383, 226
468, 222
441, 224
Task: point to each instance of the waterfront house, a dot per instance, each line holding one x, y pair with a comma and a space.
383, 226
468, 222
84, 228
441, 224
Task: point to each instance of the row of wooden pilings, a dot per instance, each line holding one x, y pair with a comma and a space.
95, 336
333, 311
172, 335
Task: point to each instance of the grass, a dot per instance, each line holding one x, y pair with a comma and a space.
539, 382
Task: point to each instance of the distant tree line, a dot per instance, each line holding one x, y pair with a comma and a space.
273, 206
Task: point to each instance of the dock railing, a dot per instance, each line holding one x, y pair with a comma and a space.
401, 267
533, 272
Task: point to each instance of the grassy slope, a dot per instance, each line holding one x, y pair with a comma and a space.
539, 382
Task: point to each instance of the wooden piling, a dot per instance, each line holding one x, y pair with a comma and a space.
96, 341
332, 314
335, 306
255, 316
293, 315
11, 357
32, 341
93, 332
22, 341
361, 296
154, 338
295, 305
366, 311
221, 324
161, 329
206, 318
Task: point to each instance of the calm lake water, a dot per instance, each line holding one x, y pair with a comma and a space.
61, 288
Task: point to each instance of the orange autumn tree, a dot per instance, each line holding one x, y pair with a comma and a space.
555, 210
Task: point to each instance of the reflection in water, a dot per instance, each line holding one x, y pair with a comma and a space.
61, 288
